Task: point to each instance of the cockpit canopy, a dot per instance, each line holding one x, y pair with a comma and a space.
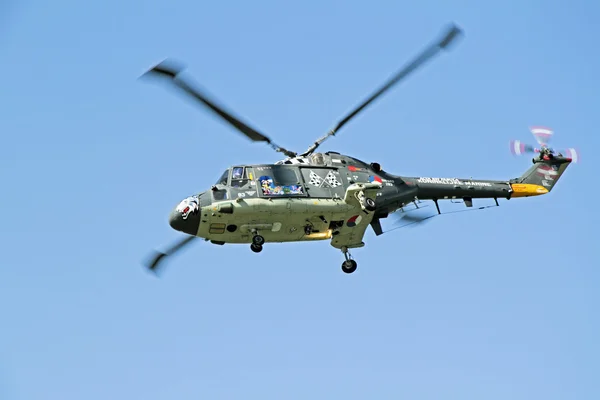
239, 177
223, 179
260, 180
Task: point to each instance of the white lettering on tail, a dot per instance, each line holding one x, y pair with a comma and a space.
452, 181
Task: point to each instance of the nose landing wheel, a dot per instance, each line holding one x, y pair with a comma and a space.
348, 266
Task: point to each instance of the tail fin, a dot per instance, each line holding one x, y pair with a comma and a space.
541, 177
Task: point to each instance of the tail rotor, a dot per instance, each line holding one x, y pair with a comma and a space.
573, 154
542, 136
518, 148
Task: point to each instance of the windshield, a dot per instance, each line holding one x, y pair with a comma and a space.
223, 179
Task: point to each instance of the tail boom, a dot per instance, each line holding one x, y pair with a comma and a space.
539, 179
456, 188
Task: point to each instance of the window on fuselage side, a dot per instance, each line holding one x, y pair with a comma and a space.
283, 176
281, 181
220, 194
240, 176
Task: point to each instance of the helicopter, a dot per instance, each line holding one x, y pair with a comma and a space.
314, 196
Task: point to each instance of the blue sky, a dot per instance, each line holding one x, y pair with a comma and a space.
493, 304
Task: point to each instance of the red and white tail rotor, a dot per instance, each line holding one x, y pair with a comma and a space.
573, 154
518, 148
543, 136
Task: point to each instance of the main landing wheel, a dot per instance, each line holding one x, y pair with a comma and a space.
258, 240
256, 248
349, 266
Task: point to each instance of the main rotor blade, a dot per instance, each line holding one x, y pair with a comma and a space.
168, 69
451, 33
158, 256
413, 217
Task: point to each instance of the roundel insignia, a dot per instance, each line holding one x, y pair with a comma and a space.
375, 179
353, 221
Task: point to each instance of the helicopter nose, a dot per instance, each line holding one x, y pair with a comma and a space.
183, 220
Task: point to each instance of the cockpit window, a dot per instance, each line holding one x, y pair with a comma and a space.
241, 176
238, 173
223, 179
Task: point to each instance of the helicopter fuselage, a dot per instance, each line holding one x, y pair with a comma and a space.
324, 196
327, 196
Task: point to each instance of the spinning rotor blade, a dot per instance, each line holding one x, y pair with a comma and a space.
416, 219
517, 148
158, 256
452, 32
542, 135
413, 216
167, 69
573, 154
413, 219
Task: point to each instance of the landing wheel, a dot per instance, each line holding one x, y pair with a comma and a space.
256, 248
370, 204
349, 266
258, 240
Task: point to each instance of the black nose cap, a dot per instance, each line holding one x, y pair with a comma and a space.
188, 225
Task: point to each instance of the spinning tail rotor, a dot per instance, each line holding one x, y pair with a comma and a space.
542, 136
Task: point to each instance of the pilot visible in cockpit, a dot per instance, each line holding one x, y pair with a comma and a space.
238, 173
237, 177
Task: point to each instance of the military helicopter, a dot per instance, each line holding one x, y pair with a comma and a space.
327, 196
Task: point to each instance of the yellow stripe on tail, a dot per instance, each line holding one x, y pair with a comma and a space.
527, 189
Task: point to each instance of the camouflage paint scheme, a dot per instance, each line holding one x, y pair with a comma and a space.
293, 201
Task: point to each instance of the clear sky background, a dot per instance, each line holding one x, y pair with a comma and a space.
495, 304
